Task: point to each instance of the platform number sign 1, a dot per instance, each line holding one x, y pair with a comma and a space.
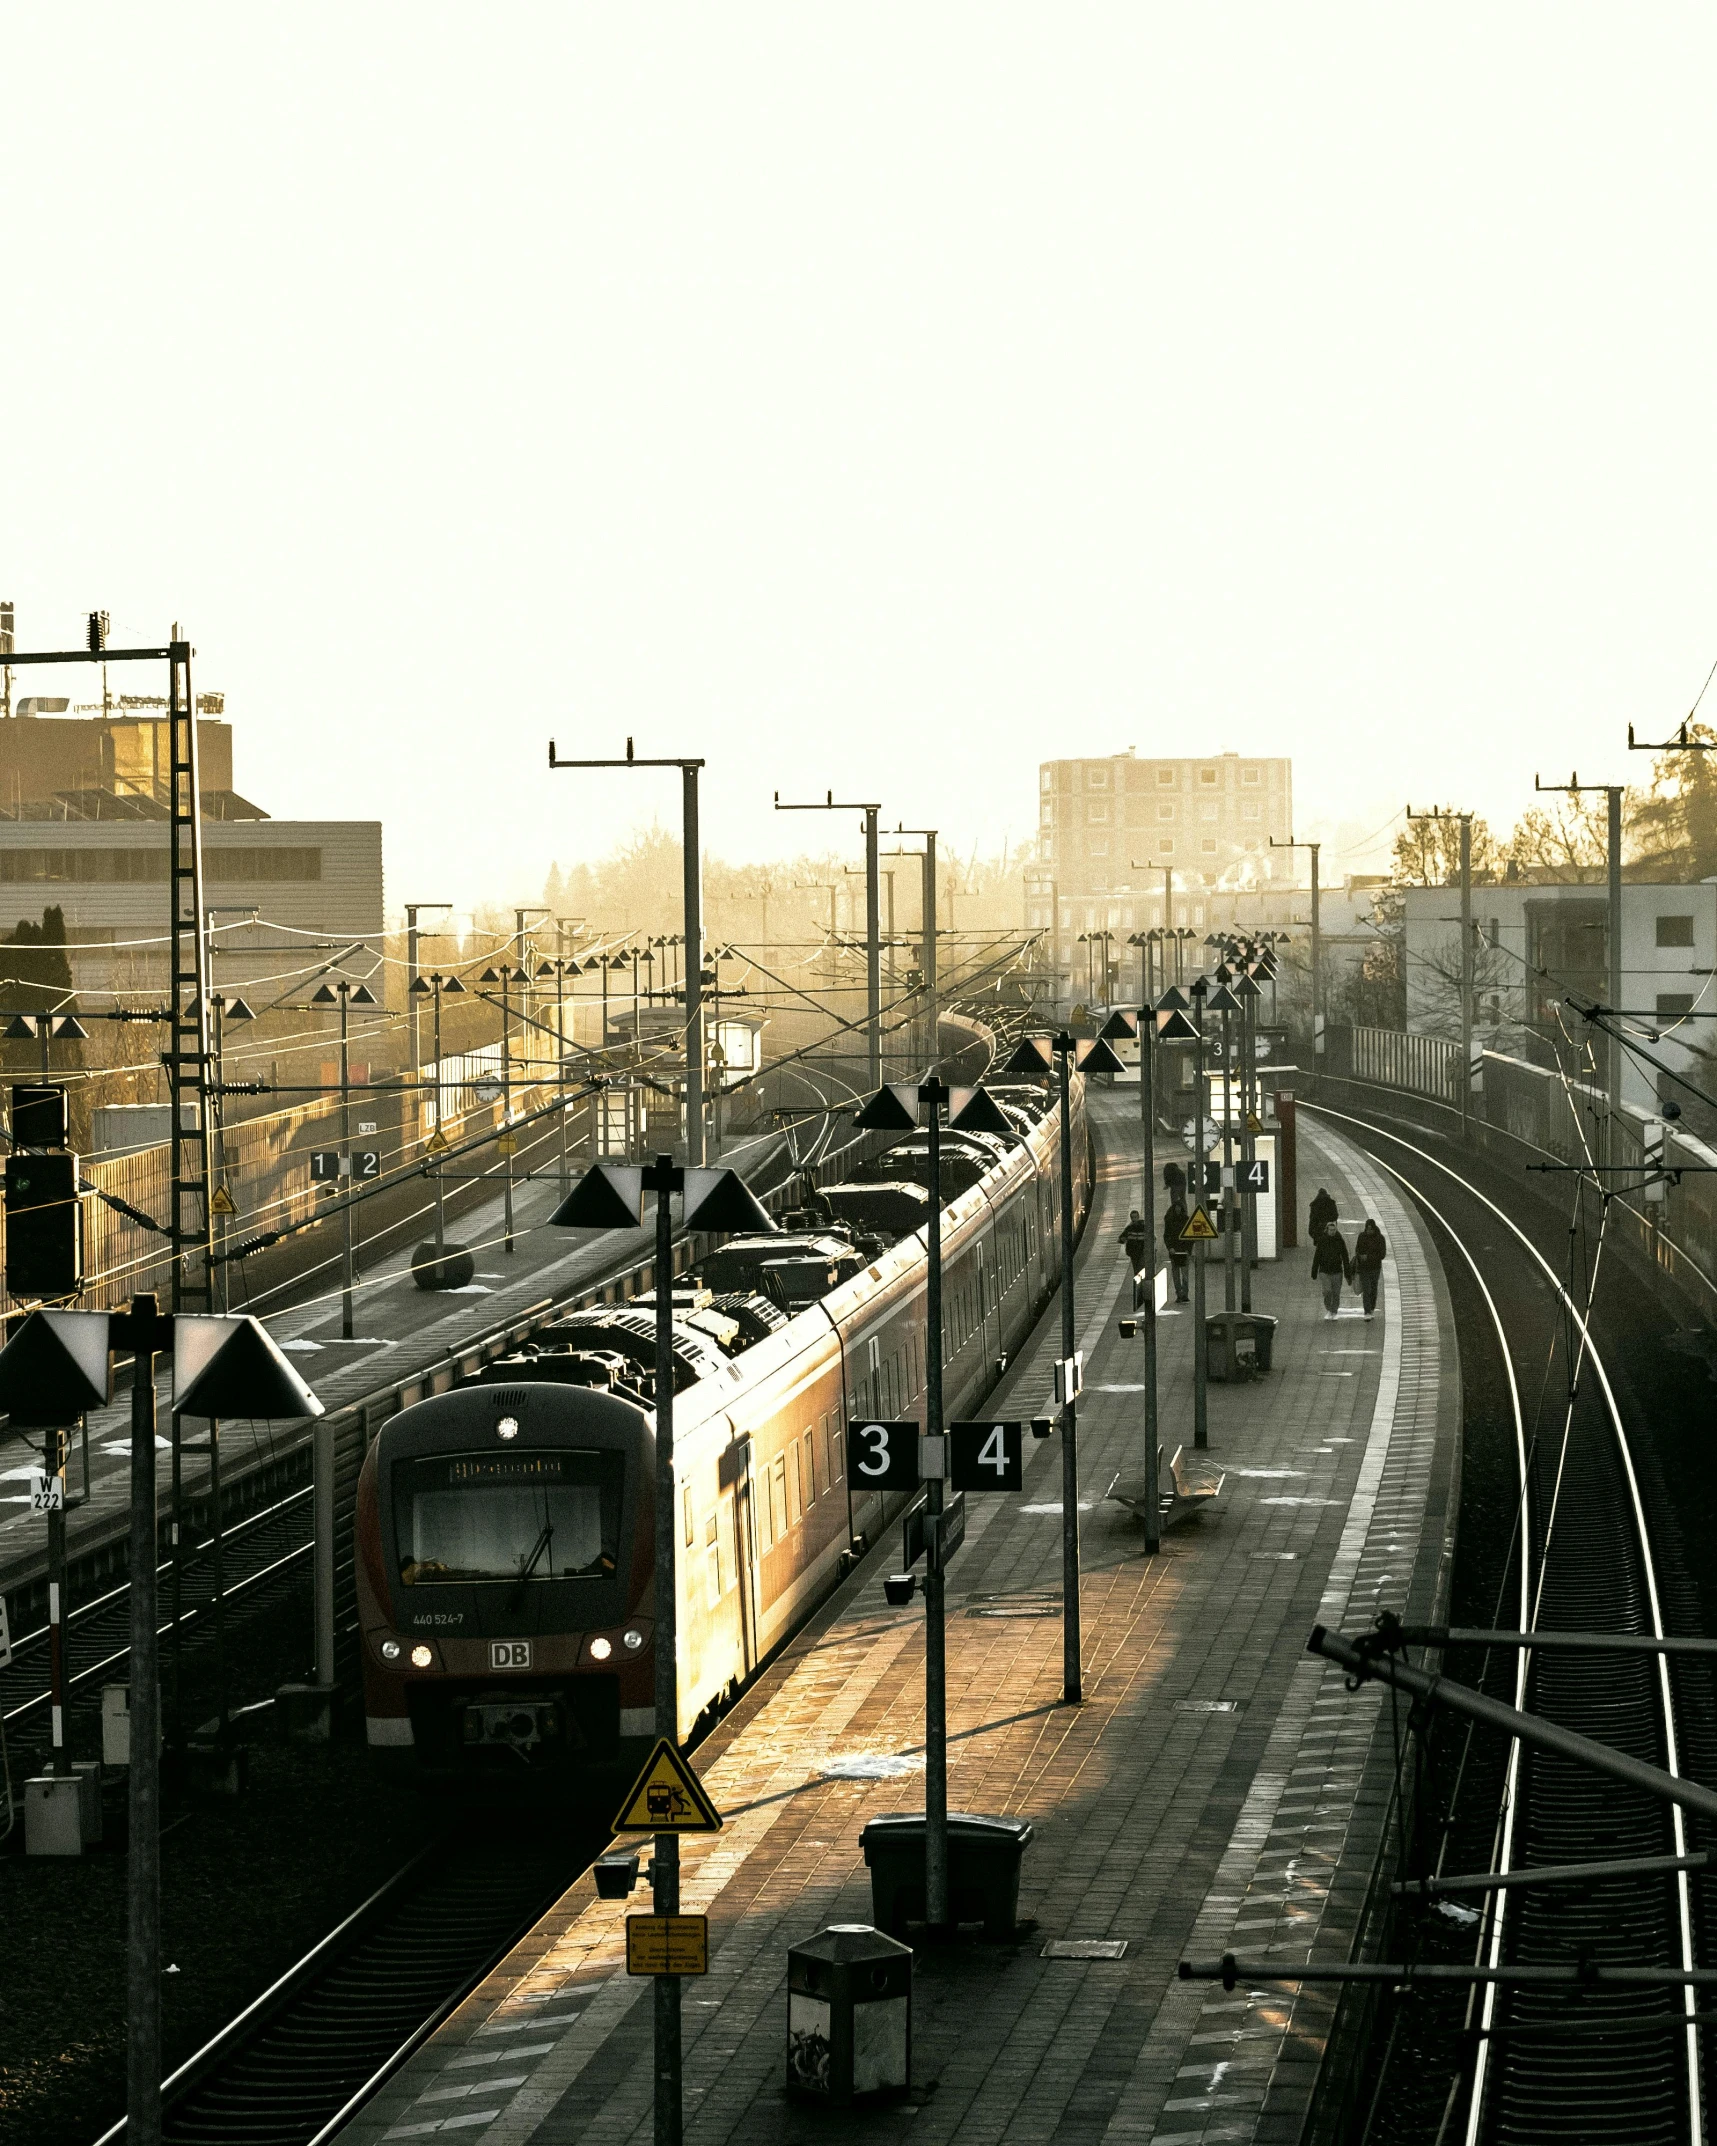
882, 1456
986, 1456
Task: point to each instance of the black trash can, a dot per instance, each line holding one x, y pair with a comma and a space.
1263, 1336
1246, 1364
849, 2015
984, 1856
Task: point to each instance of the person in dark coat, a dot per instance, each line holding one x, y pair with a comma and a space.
1179, 1251
1369, 1253
1322, 1215
1330, 1268
1137, 1240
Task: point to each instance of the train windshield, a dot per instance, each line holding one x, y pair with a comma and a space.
508, 1516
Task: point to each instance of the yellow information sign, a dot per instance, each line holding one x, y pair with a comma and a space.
508, 1144
222, 1203
1197, 1225
437, 1143
667, 1797
667, 1944
1254, 1123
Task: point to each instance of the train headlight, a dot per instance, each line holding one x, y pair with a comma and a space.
422, 1656
633, 1640
508, 1427
390, 1650
601, 1649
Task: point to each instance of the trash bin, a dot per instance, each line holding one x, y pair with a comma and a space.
849, 2014
984, 1856
1246, 1364
1263, 1336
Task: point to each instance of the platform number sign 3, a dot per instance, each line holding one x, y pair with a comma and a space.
882, 1456
986, 1456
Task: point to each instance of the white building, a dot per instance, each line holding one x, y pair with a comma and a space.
1545, 941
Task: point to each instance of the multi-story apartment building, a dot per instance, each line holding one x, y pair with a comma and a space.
1128, 845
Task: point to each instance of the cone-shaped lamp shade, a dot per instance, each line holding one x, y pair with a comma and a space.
54, 1367
237, 1010
610, 1196
327, 996
490, 976
721, 1200
452, 986
1173, 1000
545, 968
1120, 1027
420, 987
231, 1367
20, 1029
1222, 1000
363, 996
890, 1110
72, 1029
1244, 988
1030, 1057
980, 1113
1098, 1058
1174, 1027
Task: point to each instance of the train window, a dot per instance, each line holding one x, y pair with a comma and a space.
834, 1459
763, 1500
798, 1488
712, 1560
812, 1489
507, 1516
686, 1502
779, 1502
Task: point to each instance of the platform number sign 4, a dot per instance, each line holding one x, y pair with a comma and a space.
986, 1456
882, 1456
1255, 1176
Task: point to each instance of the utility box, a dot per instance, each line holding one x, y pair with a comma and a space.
62, 1812
39, 1117
984, 1857
849, 2015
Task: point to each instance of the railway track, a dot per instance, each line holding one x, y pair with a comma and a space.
1533, 2065
313, 2048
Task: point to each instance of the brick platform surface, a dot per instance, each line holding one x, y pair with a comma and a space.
1216, 1790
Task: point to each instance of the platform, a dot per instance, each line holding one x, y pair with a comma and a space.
1217, 1788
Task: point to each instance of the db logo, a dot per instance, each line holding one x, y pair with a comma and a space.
509, 1654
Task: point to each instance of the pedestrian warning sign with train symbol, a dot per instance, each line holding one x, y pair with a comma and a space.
1197, 1226
667, 1797
222, 1203
437, 1143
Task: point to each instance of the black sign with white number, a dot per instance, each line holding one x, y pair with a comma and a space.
366, 1162
882, 1456
324, 1165
986, 1456
328, 1164
1255, 1176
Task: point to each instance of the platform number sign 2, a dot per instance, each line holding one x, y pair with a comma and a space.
882, 1456
986, 1456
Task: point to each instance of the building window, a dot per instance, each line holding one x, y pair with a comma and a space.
1674, 1005
1097, 811
1675, 931
1098, 846
1251, 810
1166, 844
1097, 777
1165, 778
1046, 849
230, 866
1251, 776
1046, 779
1165, 812
1208, 845
1207, 812
1207, 777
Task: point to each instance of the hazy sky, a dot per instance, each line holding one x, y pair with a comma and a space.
884, 397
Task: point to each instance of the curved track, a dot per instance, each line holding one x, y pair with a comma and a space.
1577, 1553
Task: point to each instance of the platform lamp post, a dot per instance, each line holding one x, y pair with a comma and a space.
436, 986
1200, 1367
500, 973
1042, 1058
872, 922
905, 1107
611, 1196
55, 1367
1245, 988
1142, 1024
560, 968
692, 888
41, 1027
340, 992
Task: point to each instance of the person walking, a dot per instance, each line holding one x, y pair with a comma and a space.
1137, 1240
1369, 1253
1330, 1268
1175, 1244
1322, 1215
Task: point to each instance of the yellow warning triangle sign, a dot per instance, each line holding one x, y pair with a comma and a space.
1197, 1224
667, 1797
1254, 1123
222, 1203
437, 1143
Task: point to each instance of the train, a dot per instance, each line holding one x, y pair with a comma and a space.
504, 1530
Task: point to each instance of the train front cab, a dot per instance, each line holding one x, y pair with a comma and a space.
504, 1551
